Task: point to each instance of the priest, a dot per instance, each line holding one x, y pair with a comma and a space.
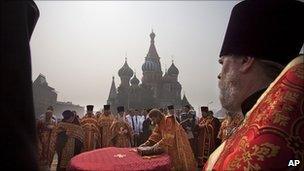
121, 130
170, 136
262, 39
70, 139
46, 134
90, 126
208, 128
104, 123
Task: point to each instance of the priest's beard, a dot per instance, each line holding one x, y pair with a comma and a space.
229, 85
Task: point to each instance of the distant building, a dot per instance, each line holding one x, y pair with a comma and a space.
156, 90
45, 96
59, 107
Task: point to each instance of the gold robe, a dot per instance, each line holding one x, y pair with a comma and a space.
70, 138
171, 136
46, 137
104, 123
119, 139
91, 132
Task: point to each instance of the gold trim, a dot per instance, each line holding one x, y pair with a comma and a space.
296, 61
216, 154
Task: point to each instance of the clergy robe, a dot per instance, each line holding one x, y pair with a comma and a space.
207, 140
272, 131
171, 136
46, 135
92, 134
229, 125
18, 20
104, 124
70, 138
121, 133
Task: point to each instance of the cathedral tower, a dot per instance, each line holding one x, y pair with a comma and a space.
151, 68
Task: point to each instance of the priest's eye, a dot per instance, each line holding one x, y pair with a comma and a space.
220, 61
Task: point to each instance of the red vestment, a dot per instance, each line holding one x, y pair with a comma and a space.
207, 140
104, 123
91, 132
171, 136
273, 130
46, 137
121, 133
229, 125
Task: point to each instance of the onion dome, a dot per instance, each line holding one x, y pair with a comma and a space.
134, 80
125, 70
150, 66
173, 70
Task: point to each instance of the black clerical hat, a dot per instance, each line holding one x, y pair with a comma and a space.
266, 29
120, 109
90, 107
106, 107
204, 109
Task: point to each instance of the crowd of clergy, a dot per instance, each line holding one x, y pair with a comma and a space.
126, 128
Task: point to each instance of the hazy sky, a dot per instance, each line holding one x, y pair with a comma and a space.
80, 45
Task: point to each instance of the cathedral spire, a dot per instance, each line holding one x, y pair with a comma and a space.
185, 101
152, 50
113, 92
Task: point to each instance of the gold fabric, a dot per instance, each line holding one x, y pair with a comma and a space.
92, 134
104, 123
120, 138
73, 132
207, 138
271, 130
229, 125
170, 135
46, 138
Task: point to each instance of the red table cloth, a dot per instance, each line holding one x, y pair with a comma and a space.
113, 158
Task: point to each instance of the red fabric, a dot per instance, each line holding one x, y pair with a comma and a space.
272, 134
103, 159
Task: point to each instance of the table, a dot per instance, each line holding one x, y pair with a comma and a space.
119, 159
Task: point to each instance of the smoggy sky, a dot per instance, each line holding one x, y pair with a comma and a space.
80, 45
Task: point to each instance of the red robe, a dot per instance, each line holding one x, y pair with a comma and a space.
104, 124
230, 124
91, 132
272, 133
171, 136
207, 139
118, 138
46, 136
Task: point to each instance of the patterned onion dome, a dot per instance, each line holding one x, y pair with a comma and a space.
134, 80
173, 70
125, 70
150, 66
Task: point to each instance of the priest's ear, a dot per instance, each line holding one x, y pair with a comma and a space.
247, 63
